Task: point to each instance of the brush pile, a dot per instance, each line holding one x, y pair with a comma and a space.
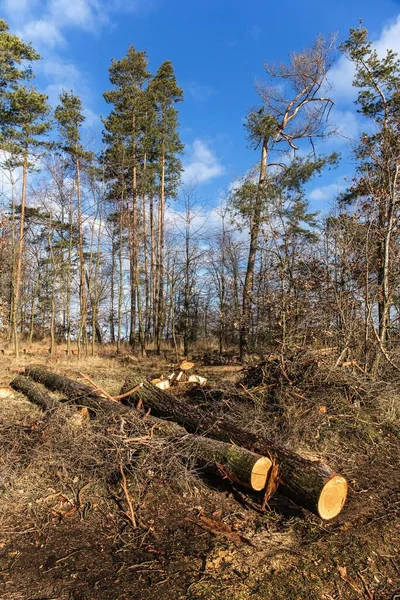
143, 412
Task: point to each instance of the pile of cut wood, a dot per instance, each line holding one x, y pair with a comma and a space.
216, 445
179, 376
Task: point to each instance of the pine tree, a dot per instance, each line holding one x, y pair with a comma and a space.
69, 116
377, 184
126, 124
165, 93
284, 120
23, 123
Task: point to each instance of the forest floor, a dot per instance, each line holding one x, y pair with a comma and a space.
63, 529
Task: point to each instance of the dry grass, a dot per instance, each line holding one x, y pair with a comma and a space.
60, 489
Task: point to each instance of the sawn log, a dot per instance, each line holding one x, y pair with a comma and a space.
225, 459
311, 484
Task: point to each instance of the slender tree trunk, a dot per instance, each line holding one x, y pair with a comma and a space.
249, 278
35, 296
97, 336
160, 303
18, 270
133, 239
68, 282
142, 342
186, 302
112, 283
52, 295
153, 283
173, 325
13, 261
121, 278
146, 317
82, 284
385, 288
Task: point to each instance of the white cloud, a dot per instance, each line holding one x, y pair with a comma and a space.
328, 192
201, 93
203, 165
45, 23
18, 7
80, 13
390, 38
42, 33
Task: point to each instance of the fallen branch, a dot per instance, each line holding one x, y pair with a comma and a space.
97, 388
131, 515
129, 393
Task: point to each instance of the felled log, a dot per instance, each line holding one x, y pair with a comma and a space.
312, 485
240, 465
237, 464
181, 369
33, 393
73, 390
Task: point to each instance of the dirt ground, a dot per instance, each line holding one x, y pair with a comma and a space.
53, 546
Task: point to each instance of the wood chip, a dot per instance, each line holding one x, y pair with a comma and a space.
6, 393
197, 379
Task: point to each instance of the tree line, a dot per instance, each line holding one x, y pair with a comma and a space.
93, 248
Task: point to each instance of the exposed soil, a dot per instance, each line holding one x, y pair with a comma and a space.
52, 547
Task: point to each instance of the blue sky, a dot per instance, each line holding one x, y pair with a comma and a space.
218, 49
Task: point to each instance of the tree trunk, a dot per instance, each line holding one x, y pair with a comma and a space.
385, 271
112, 283
160, 275
153, 271
120, 279
18, 269
244, 339
134, 242
312, 485
242, 466
68, 282
33, 393
82, 335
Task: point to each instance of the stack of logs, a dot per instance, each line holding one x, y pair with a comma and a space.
218, 446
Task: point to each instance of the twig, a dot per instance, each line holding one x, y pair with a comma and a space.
367, 589
132, 391
131, 515
97, 387
283, 371
80, 492
298, 395
383, 350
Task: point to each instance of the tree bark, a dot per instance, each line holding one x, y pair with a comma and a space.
244, 338
82, 291
18, 267
240, 465
310, 484
34, 393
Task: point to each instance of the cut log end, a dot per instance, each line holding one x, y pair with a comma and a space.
332, 498
259, 473
186, 365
